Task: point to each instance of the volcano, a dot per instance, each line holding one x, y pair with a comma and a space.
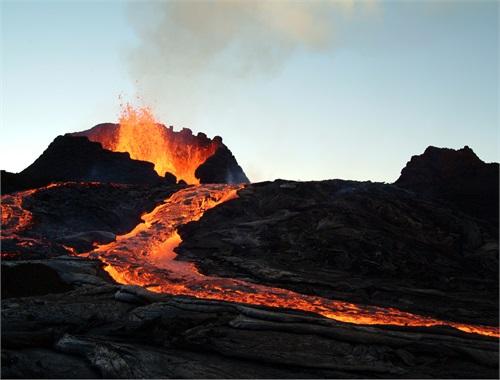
182, 154
138, 150
131, 250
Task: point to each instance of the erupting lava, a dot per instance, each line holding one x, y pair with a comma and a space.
139, 134
146, 257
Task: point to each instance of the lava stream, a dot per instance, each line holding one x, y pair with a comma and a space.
15, 218
146, 257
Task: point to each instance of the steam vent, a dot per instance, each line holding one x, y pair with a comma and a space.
131, 250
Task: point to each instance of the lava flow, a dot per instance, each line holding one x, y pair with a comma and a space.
16, 218
146, 257
139, 134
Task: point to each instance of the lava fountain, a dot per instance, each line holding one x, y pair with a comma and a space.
145, 256
139, 134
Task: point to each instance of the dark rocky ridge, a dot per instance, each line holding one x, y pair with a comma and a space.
103, 131
457, 177
110, 132
70, 158
73, 157
221, 167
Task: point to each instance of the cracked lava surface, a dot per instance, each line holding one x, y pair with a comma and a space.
145, 257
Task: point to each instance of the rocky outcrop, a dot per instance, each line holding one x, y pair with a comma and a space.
10, 182
101, 132
30, 279
77, 159
221, 168
108, 134
456, 177
189, 156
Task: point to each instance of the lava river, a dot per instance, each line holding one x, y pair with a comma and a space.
146, 257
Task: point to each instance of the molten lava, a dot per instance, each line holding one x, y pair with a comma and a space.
15, 218
146, 257
139, 134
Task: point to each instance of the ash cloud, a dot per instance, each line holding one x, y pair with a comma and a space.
181, 43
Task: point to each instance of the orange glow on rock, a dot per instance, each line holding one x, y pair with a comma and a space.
15, 218
140, 134
146, 257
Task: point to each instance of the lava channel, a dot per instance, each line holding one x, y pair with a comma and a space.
16, 218
146, 257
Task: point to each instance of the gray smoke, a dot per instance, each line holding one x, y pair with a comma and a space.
182, 44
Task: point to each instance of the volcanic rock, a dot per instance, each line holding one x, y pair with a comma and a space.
85, 241
31, 279
10, 182
457, 177
90, 332
369, 243
221, 168
189, 156
101, 132
78, 215
366, 242
71, 158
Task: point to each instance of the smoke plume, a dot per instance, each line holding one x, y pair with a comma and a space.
182, 43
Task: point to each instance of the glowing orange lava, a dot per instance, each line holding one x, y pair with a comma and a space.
139, 134
16, 218
146, 257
